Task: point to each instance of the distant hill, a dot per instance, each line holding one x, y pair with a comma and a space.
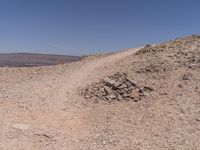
32, 60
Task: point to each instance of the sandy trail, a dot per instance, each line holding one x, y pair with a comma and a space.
92, 68
52, 102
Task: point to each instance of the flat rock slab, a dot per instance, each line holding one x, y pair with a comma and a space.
19, 126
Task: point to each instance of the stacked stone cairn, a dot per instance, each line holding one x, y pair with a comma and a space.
117, 87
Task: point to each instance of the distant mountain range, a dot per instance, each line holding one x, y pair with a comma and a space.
33, 60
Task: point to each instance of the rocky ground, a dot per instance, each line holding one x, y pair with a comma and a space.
143, 98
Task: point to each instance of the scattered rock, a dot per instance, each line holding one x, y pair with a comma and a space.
187, 76
149, 49
156, 67
117, 87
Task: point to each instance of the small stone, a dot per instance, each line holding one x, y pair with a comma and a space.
122, 86
102, 89
196, 89
198, 119
104, 142
119, 97
20, 126
180, 86
134, 94
87, 96
117, 84
109, 82
107, 90
111, 96
185, 77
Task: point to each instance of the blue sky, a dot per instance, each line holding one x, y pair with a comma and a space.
79, 27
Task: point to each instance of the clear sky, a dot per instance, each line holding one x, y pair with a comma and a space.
79, 27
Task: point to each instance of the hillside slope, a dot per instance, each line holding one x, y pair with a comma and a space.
47, 107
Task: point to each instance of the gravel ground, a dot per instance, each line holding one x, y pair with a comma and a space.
43, 107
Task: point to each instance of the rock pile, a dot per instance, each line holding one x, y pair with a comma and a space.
116, 88
149, 49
